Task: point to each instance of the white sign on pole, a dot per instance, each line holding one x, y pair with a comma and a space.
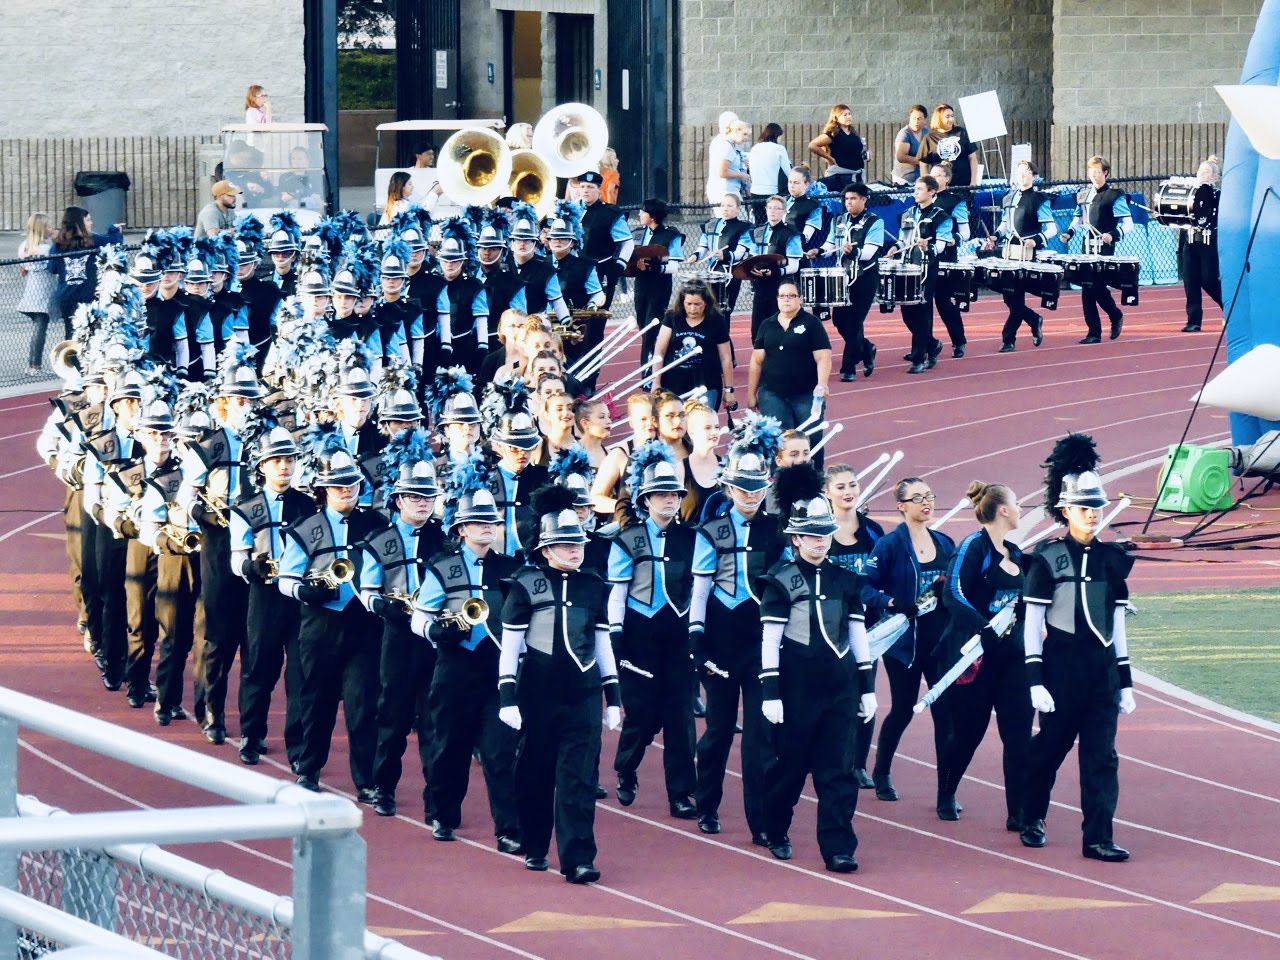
442, 69
982, 116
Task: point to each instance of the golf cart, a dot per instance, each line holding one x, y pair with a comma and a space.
277, 166
424, 179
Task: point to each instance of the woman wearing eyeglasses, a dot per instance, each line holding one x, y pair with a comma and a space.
904, 574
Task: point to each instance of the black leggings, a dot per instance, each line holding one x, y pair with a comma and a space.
904, 691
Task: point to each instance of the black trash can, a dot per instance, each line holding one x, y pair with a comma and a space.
103, 193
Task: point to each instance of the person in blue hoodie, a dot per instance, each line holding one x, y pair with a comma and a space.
904, 574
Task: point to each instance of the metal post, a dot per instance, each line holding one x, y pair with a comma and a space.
8, 808
328, 896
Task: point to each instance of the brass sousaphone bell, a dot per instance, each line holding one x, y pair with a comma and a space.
65, 360
572, 138
474, 166
532, 182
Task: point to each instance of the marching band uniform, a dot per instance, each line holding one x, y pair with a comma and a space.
650, 567
1026, 216
556, 616
944, 295
931, 223
260, 520
399, 320
653, 284
607, 240
579, 282
513, 489
864, 232
1198, 255
720, 239
197, 309
468, 304
1102, 210
285, 238
503, 290
806, 215
769, 238
542, 291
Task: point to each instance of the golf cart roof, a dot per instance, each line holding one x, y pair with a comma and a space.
439, 124
275, 128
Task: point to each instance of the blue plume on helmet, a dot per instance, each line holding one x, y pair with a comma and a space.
570, 461
571, 213
249, 229
362, 260
172, 246
470, 475
523, 211
459, 229
352, 225
500, 220
397, 248
319, 441
158, 383
113, 257
645, 456
756, 434
208, 249
397, 375
227, 252
477, 216
239, 355
192, 396
404, 450
256, 428
817, 190
286, 221
332, 236
502, 398
448, 381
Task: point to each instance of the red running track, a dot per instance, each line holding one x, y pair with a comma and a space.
1200, 790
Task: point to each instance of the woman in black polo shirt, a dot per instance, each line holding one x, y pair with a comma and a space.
790, 362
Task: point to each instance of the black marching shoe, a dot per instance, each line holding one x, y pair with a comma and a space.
536, 864
111, 683
883, 784
307, 782
948, 809
215, 733
909, 357
916, 368
780, 848
1106, 851
759, 839
869, 361
510, 846
957, 351
849, 377
583, 873
1006, 348
683, 809
601, 792
863, 779
935, 352
1090, 339
1013, 823
368, 795
1191, 328
249, 752
1037, 330
626, 790
842, 863
1032, 834
440, 832
1117, 324
384, 805
709, 823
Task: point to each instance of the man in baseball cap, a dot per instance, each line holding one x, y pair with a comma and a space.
219, 213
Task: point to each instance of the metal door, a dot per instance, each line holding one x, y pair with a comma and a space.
445, 104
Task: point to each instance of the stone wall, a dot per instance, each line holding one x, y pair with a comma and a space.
1148, 61
790, 62
121, 68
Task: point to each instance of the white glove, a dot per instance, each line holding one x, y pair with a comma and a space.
510, 716
1124, 699
867, 710
613, 717
772, 710
1041, 699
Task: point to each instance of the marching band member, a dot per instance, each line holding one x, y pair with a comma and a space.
851, 545
776, 237
983, 576
201, 337
805, 214
284, 244
399, 320
542, 291
555, 702
503, 289
338, 663
212, 479
858, 237
262, 298
260, 521
513, 438
578, 276
353, 404
816, 675
454, 412
166, 326
733, 550
1027, 219
354, 279
1104, 212
944, 296
429, 293
719, 242
393, 558
607, 240
924, 232
468, 304
1198, 246
653, 282
650, 570
462, 699
1077, 654
904, 573
224, 299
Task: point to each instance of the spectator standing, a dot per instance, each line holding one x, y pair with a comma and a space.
77, 271
843, 148
906, 146
39, 287
721, 178
949, 144
769, 166
219, 213
257, 106
612, 179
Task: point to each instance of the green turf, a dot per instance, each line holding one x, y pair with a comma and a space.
1224, 645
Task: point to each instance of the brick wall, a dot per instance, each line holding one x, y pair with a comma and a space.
1150, 61
790, 62
123, 68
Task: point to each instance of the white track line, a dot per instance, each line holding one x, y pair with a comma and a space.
17, 436
29, 524
125, 798
14, 473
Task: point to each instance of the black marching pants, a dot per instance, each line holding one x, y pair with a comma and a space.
904, 691
919, 320
404, 678
764, 301
820, 707
653, 296
1080, 674
271, 643
658, 645
1019, 313
952, 318
464, 719
90, 585
338, 652
1198, 264
1092, 297
113, 641
850, 320
226, 602
734, 646
555, 772
180, 618
1001, 684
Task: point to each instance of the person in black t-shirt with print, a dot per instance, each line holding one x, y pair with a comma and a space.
695, 320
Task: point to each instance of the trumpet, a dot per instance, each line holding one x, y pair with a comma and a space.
337, 573
189, 540
404, 599
473, 611
215, 508
273, 568
570, 330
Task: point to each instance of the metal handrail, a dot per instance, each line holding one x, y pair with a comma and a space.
70, 930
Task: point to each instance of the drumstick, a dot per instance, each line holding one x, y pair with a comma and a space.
869, 489
823, 442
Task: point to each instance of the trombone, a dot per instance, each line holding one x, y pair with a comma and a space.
472, 612
337, 573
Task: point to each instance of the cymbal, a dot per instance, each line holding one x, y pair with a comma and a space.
643, 253
774, 262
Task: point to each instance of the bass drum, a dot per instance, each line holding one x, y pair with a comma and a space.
1175, 202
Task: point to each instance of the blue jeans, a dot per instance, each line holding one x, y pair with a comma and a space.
791, 410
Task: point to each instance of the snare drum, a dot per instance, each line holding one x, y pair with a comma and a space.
1175, 202
716, 280
1016, 250
1044, 280
958, 278
824, 286
900, 283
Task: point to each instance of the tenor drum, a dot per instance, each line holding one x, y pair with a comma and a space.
1122, 273
1175, 202
900, 283
1004, 276
1081, 268
1044, 280
824, 286
959, 278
